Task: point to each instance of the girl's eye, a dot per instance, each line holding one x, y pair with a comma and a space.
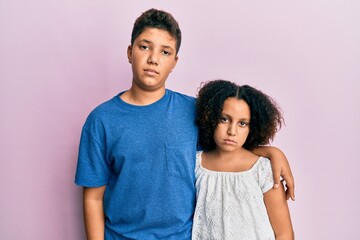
224, 119
243, 124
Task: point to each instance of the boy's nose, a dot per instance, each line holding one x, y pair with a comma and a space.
152, 60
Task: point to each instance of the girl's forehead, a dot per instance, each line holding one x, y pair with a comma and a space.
236, 108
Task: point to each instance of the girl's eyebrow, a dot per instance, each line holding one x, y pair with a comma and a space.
241, 119
225, 115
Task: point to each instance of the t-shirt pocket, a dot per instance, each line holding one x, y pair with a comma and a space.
180, 159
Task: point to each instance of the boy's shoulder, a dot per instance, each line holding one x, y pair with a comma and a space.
181, 96
103, 109
104, 106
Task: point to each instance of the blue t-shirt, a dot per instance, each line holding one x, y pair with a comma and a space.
145, 155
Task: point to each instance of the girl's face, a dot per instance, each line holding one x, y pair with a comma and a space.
233, 128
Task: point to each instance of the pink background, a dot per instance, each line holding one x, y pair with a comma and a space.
59, 59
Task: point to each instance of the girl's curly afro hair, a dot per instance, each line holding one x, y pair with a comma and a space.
266, 117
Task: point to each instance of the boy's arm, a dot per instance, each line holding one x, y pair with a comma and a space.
94, 213
279, 214
280, 166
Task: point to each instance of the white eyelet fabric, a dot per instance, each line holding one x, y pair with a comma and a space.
230, 205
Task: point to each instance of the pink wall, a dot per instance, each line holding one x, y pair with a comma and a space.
59, 59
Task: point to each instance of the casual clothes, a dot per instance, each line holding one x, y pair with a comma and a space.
230, 205
145, 155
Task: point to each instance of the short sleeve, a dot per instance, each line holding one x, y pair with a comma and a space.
266, 180
92, 169
198, 159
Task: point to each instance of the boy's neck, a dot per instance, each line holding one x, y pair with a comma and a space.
139, 97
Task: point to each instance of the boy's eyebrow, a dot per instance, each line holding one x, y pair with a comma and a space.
145, 40
150, 42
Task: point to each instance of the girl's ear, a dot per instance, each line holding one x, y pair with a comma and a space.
129, 53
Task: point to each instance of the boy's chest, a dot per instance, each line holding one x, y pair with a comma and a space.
151, 141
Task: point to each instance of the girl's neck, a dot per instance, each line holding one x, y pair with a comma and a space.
239, 154
234, 161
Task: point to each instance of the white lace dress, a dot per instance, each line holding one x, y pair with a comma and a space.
230, 205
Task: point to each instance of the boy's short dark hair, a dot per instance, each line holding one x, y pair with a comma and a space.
154, 18
266, 117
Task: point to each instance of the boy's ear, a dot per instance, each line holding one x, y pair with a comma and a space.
129, 53
175, 62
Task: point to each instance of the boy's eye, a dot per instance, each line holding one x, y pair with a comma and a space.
166, 53
143, 47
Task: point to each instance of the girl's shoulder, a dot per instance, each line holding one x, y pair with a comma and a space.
262, 164
263, 172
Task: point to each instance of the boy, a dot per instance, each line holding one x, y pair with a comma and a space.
137, 151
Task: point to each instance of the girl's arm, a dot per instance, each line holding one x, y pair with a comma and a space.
279, 214
94, 212
280, 166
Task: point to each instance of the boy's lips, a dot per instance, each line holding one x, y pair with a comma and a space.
149, 70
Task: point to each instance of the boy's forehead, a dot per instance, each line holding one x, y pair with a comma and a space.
157, 35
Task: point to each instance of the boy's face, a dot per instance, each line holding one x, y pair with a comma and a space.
233, 129
153, 57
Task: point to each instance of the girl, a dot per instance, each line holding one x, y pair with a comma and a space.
235, 198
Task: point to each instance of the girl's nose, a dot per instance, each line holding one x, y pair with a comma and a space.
231, 131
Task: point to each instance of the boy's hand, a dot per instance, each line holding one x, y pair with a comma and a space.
280, 167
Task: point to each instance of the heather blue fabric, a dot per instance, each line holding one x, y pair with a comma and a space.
145, 155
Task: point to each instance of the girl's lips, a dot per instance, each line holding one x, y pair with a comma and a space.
229, 141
